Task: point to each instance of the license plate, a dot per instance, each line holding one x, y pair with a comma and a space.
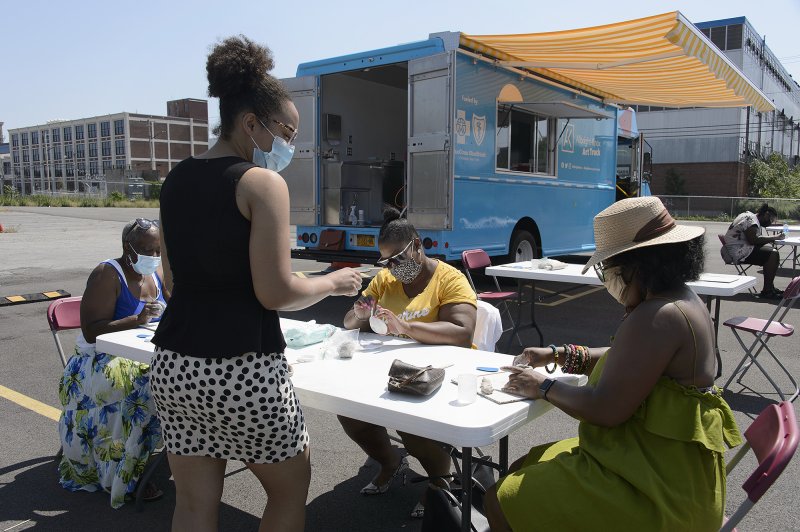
367, 241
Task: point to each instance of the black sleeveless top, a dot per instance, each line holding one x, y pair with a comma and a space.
213, 311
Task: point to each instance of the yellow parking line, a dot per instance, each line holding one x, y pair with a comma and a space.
30, 403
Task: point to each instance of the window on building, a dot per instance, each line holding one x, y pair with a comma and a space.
119, 164
106, 165
523, 139
119, 147
46, 137
718, 37
24, 139
92, 149
68, 151
34, 137
93, 168
106, 147
81, 168
734, 39
79, 132
105, 129
35, 154
26, 158
70, 169
67, 134
15, 157
119, 127
6, 168
56, 134
57, 153
80, 150
92, 130
14, 140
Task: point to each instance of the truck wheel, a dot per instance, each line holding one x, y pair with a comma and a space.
523, 247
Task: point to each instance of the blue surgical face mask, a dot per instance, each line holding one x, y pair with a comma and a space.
277, 159
145, 264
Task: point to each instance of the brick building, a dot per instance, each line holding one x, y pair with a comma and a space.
59, 155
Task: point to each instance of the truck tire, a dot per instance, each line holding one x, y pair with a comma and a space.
523, 247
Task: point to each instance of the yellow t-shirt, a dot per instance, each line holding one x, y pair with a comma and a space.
447, 286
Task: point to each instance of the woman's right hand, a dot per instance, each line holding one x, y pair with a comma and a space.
364, 307
346, 282
535, 357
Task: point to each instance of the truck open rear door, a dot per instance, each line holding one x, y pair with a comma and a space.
430, 118
302, 173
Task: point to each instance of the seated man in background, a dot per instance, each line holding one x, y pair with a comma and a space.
744, 243
109, 426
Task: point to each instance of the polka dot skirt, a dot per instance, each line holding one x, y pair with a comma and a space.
239, 408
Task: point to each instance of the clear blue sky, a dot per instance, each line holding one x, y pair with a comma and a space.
85, 58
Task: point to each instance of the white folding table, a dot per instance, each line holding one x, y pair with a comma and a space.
357, 388
711, 286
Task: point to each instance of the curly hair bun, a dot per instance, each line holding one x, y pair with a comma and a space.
237, 65
390, 214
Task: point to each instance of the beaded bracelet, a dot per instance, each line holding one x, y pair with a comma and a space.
569, 358
555, 364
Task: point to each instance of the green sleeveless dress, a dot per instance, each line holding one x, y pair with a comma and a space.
662, 469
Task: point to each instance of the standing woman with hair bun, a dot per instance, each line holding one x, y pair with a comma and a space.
219, 377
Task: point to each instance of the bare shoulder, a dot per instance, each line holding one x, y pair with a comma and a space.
103, 281
655, 321
261, 183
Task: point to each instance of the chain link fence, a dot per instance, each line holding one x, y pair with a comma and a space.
727, 208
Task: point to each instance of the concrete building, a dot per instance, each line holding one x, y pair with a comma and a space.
72, 155
709, 149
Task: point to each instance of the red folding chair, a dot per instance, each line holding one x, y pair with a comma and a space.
741, 267
773, 436
63, 314
763, 331
478, 259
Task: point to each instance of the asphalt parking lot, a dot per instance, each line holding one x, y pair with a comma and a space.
56, 248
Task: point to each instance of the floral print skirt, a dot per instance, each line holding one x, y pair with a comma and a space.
108, 427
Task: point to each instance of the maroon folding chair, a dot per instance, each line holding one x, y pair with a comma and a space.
478, 259
773, 437
63, 314
763, 330
741, 267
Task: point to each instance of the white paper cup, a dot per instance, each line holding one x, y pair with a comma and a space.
467, 388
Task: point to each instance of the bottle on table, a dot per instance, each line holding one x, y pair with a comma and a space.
785, 228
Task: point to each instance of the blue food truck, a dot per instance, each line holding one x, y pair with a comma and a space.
478, 155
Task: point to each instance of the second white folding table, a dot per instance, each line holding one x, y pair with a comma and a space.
711, 286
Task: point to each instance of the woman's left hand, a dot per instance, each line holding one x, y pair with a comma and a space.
396, 325
523, 381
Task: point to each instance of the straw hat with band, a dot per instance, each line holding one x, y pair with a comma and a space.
634, 223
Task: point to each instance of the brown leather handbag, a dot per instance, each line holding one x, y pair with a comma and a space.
407, 378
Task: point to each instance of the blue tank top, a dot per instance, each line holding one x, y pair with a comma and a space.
127, 304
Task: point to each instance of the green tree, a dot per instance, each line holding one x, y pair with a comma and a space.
674, 183
773, 179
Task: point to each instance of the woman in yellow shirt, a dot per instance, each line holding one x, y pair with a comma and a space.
420, 298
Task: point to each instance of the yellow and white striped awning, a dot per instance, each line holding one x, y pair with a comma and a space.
661, 61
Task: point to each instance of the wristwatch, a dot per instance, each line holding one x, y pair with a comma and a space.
545, 386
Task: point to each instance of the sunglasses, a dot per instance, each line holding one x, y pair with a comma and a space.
144, 224
292, 131
394, 259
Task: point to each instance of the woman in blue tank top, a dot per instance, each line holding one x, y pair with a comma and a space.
109, 425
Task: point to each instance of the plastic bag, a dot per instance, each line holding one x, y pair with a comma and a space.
309, 334
342, 344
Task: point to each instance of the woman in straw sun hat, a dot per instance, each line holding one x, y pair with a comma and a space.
654, 428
